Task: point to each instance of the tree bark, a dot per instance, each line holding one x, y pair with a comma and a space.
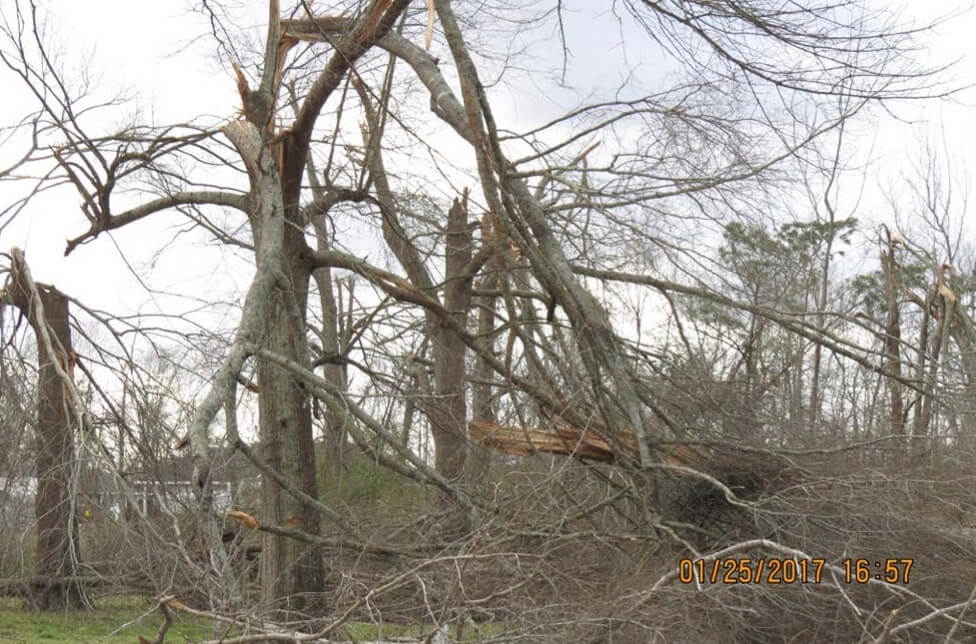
963, 332
285, 428
448, 413
896, 417
335, 434
58, 547
274, 319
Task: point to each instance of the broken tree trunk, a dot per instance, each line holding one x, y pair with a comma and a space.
893, 335
448, 414
584, 444
58, 554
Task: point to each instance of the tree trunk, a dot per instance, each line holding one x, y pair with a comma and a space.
335, 434
963, 332
288, 567
923, 415
481, 399
58, 554
448, 413
896, 415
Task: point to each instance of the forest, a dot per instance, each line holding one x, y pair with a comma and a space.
486, 322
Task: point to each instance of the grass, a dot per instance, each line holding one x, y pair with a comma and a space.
125, 618
104, 624
364, 483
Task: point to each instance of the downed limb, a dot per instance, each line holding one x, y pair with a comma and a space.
268, 633
520, 441
572, 441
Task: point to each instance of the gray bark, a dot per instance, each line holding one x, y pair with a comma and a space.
448, 413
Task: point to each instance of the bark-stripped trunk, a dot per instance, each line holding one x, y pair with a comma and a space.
58, 547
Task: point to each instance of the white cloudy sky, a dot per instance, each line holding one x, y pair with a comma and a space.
151, 50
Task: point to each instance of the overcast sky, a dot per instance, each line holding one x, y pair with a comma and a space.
158, 53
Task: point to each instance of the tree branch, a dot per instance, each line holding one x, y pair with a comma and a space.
197, 198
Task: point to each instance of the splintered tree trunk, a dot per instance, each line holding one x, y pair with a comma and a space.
273, 319
58, 553
448, 412
930, 352
893, 339
288, 567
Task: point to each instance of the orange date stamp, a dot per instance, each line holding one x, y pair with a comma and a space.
746, 570
771, 570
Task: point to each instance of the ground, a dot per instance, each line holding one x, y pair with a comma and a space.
118, 620
115, 620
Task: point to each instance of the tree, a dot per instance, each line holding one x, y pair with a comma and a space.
59, 415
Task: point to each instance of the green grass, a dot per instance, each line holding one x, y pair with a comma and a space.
104, 624
364, 483
100, 625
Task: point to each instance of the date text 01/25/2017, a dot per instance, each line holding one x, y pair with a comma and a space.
791, 571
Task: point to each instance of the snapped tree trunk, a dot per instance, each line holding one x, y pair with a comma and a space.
942, 299
58, 547
284, 417
331, 336
896, 417
448, 412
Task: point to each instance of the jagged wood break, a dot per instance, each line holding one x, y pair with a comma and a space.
573, 441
